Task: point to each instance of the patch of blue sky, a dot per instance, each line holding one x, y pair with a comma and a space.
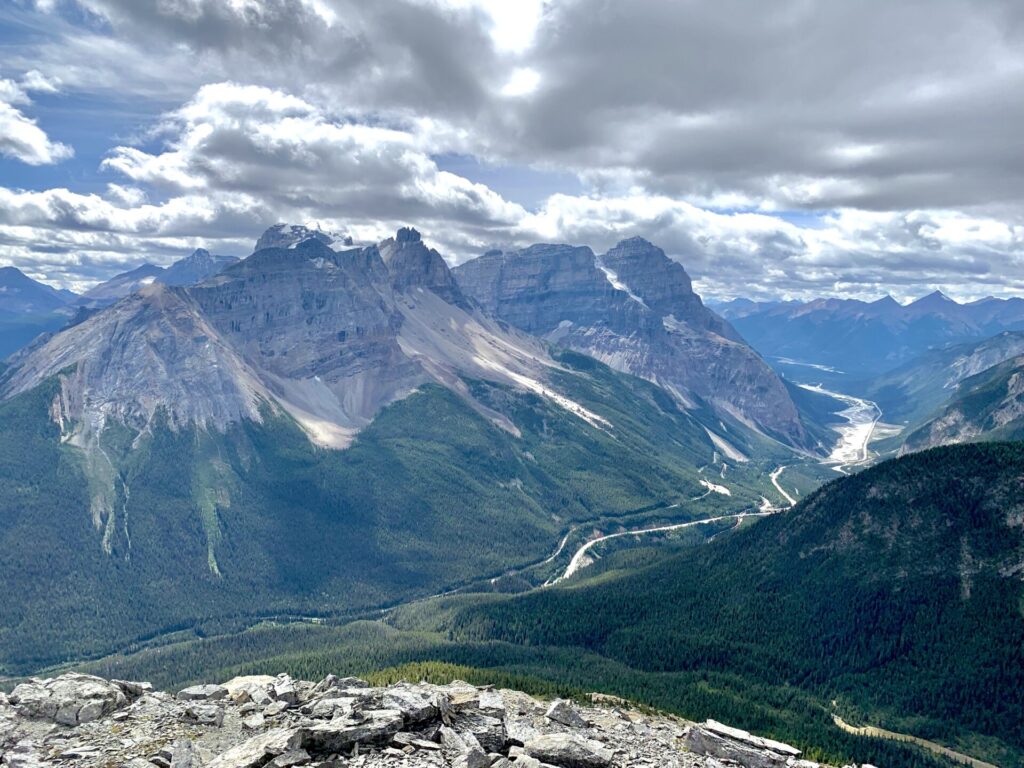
529, 187
91, 125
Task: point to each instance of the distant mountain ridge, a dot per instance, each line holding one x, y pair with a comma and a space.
917, 388
867, 338
194, 268
20, 294
29, 308
634, 309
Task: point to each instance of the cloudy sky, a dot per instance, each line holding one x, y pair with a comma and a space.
792, 148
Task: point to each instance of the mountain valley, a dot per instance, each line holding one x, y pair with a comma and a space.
339, 458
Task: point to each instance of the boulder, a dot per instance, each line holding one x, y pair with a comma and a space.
562, 711
203, 693
183, 755
328, 708
71, 699
254, 722
415, 705
374, 727
285, 690
250, 688
260, 750
718, 741
204, 714
568, 751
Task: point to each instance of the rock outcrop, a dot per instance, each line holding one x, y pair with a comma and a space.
78, 720
635, 309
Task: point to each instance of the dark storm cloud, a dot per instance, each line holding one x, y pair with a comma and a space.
803, 104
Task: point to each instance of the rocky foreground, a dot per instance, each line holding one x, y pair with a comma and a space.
252, 722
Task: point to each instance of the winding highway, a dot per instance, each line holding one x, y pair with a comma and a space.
579, 559
775, 481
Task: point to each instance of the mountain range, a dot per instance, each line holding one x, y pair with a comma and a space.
29, 308
314, 429
192, 269
986, 406
914, 390
864, 339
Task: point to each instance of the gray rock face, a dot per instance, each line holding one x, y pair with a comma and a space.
635, 310
330, 337
154, 729
412, 265
203, 693
193, 269
70, 699
327, 337
739, 747
562, 711
569, 750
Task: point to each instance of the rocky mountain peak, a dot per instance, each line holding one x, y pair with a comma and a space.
413, 265
633, 308
936, 300
260, 720
329, 336
290, 235
195, 268
407, 235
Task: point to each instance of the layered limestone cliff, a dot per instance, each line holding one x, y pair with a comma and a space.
635, 309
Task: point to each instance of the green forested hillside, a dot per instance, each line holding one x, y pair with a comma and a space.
897, 591
986, 406
204, 526
892, 597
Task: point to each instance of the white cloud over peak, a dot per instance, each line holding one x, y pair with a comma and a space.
778, 148
20, 137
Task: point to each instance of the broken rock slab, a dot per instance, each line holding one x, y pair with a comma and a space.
70, 699
726, 743
569, 751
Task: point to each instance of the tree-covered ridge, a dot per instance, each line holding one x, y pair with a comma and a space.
895, 591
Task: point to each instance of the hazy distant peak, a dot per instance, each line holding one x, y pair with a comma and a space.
935, 298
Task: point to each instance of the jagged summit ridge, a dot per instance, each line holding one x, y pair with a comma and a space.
329, 336
256, 721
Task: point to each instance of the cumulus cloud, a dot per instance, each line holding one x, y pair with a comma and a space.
20, 136
785, 148
847, 252
302, 161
